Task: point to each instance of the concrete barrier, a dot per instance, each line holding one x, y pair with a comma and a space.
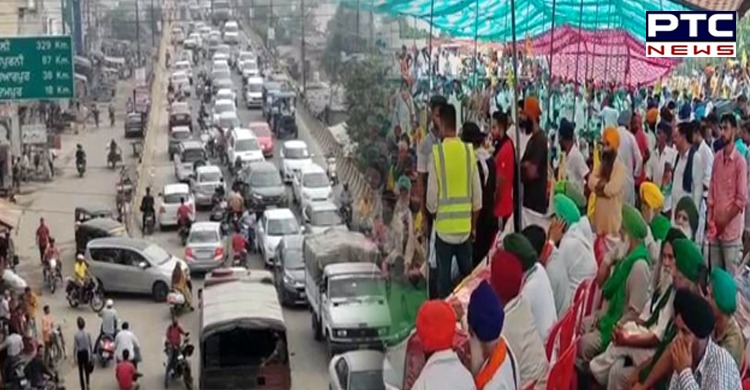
145, 171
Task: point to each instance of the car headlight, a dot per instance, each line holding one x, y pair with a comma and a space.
288, 280
340, 332
257, 196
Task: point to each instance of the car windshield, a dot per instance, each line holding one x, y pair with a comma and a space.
191, 155
315, 180
224, 83
293, 259
224, 94
156, 254
247, 56
221, 74
265, 179
228, 122
209, 177
325, 218
180, 77
366, 380
174, 198
203, 237
255, 87
182, 66
281, 227
296, 153
180, 135
352, 287
250, 64
222, 107
247, 145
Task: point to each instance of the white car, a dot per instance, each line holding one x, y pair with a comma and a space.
170, 202
244, 56
183, 66
190, 43
197, 38
228, 121
294, 156
357, 368
220, 61
274, 225
231, 32
204, 184
181, 81
205, 32
221, 107
319, 217
250, 69
243, 145
254, 92
311, 185
178, 36
226, 94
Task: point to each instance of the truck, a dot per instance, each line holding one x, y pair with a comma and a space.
345, 291
221, 11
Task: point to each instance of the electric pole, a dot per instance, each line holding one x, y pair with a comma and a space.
153, 26
138, 32
304, 64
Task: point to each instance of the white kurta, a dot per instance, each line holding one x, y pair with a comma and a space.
572, 263
537, 292
444, 370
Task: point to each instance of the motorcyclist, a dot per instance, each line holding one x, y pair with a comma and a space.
184, 214
235, 202
50, 253
346, 196
109, 323
80, 154
114, 150
147, 206
80, 272
172, 345
36, 371
219, 192
250, 219
239, 244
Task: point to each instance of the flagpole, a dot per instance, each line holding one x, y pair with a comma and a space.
578, 56
476, 42
549, 86
432, 15
518, 203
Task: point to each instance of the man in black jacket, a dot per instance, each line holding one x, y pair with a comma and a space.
486, 223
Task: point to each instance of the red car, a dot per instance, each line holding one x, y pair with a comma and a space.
265, 137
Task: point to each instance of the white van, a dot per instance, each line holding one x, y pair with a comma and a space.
231, 33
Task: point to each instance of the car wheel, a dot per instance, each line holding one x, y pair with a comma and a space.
160, 291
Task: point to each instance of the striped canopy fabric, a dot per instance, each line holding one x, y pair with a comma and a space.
489, 20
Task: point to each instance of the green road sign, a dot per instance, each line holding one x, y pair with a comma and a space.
36, 68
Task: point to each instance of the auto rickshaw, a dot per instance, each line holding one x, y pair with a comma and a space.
269, 89
85, 213
283, 115
97, 228
243, 343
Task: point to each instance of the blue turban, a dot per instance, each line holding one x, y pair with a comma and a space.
486, 314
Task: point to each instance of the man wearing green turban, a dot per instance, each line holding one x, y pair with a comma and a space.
573, 260
686, 216
536, 287
625, 280
638, 340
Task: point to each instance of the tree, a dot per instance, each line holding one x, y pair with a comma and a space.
366, 98
342, 37
122, 19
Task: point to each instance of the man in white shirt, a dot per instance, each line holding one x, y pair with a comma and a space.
608, 115
13, 345
688, 162
660, 165
436, 327
707, 157
574, 167
536, 290
629, 154
126, 340
485, 316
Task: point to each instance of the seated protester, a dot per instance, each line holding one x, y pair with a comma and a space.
635, 342
686, 216
722, 297
698, 362
652, 200
624, 280
499, 369
573, 261
519, 331
538, 239
659, 228
536, 288
436, 327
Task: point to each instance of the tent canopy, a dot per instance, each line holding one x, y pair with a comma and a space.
459, 18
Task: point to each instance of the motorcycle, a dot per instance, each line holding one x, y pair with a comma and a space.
150, 220
183, 232
91, 294
52, 275
177, 303
239, 259
346, 214
219, 211
181, 365
106, 349
331, 170
81, 167
113, 158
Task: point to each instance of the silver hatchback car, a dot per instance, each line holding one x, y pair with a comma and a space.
132, 265
204, 250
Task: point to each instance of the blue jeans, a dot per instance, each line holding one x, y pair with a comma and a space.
444, 254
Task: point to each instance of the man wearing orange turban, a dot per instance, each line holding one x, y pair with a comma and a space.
608, 183
534, 161
436, 327
652, 116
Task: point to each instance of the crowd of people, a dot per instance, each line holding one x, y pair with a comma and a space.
653, 214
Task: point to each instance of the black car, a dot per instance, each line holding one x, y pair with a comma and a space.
262, 186
97, 228
135, 125
289, 272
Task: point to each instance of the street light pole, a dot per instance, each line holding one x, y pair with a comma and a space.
304, 73
138, 32
153, 26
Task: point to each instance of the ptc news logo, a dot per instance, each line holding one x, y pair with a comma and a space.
691, 34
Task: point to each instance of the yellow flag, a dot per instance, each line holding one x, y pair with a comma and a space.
592, 197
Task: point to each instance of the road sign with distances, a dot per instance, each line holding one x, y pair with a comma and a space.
36, 68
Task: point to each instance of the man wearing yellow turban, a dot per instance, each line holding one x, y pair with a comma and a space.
652, 201
607, 182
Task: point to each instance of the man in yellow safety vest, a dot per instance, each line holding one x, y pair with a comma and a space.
454, 197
